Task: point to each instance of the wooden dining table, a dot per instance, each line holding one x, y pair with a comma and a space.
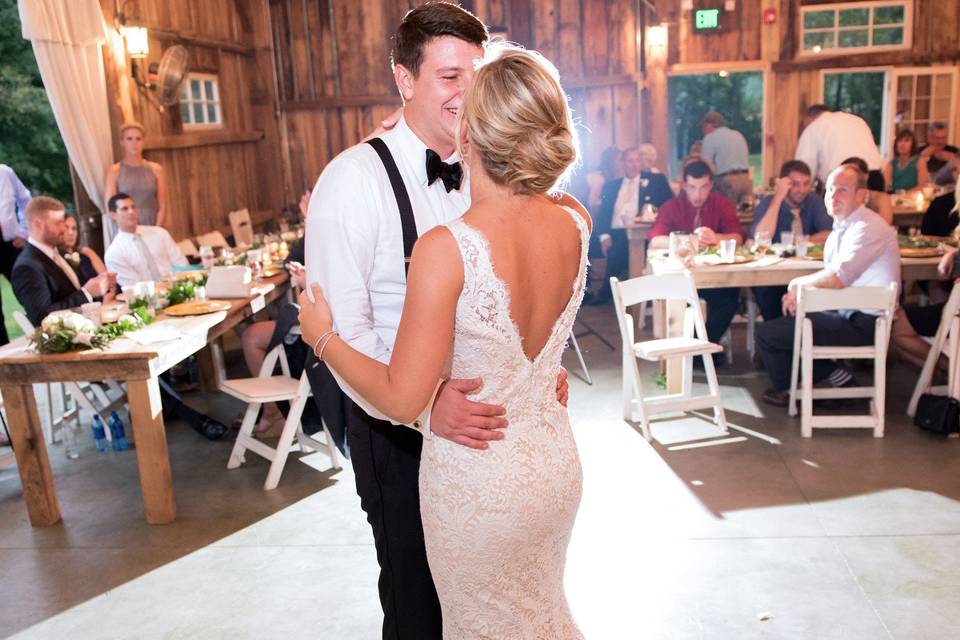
126, 360
769, 271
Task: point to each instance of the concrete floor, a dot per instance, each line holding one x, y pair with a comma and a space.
839, 536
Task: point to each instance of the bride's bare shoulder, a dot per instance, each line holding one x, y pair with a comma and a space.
566, 200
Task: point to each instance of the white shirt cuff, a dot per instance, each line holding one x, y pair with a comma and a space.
422, 423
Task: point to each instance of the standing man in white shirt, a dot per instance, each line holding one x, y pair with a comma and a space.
861, 251
139, 252
358, 237
13, 227
727, 152
829, 137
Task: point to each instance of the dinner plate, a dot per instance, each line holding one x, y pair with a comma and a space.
713, 259
920, 252
197, 307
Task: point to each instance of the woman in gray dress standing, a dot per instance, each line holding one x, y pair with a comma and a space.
142, 179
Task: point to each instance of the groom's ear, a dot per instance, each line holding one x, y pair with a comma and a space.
404, 79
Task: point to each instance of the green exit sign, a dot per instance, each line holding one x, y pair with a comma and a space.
706, 19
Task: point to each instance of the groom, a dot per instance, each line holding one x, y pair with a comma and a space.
361, 225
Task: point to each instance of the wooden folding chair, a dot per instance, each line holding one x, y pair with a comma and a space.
241, 227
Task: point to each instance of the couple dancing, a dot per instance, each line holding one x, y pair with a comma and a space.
478, 528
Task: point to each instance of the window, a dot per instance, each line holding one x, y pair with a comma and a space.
862, 92
894, 98
738, 95
866, 26
923, 96
200, 101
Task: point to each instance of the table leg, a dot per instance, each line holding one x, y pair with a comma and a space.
153, 459
674, 328
30, 449
210, 361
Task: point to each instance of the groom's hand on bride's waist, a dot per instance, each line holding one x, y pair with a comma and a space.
464, 421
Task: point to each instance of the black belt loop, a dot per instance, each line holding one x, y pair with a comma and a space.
407, 222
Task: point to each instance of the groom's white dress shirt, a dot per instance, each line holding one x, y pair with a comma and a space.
354, 246
126, 255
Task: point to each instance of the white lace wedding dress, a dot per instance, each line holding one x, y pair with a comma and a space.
497, 522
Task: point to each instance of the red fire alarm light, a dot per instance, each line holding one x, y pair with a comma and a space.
769, 16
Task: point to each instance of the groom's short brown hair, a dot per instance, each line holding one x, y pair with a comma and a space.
433, 20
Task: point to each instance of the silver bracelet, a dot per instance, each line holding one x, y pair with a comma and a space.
317, 343
330, 337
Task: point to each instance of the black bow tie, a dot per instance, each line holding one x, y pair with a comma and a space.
451, 174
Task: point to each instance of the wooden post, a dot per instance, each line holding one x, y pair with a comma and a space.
30, 449
153, 459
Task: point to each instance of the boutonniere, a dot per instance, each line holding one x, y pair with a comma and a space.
644, 182
73, 259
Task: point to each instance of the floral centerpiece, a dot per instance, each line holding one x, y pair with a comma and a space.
63, 332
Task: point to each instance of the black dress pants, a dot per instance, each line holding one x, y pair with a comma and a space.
386, 463
721, 307
770, 301
830, 328
618, 260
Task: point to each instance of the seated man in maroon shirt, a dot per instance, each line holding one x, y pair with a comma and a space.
711, 218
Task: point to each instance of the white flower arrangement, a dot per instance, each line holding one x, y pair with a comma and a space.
73, 259
61, 332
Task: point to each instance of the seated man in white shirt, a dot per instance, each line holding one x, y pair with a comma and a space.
861, 251
139, 252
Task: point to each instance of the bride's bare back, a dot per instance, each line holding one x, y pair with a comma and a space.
535, 248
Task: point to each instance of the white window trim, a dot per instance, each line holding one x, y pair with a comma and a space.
954, 121
216, 99
907, 28
886, 122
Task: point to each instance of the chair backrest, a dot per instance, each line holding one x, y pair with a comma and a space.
241, 226
187, 248
674, 286
883, 299
24, 322
212, 239
679, 287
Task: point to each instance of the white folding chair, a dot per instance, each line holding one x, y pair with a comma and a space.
187, 248
693, 342
812, 300
73, 396
212, 239
946, 342
572, 340
241, 227
267, 387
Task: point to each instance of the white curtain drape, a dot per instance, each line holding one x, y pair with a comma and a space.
66, 37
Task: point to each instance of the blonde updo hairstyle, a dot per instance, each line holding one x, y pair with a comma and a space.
517, 121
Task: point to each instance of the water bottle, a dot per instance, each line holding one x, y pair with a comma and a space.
70, 440
117, 433
99, 433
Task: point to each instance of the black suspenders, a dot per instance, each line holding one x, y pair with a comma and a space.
407, 221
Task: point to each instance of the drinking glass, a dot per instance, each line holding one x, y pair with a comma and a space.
91, 311
207, 257
682, 247
786, 238
802, 243
728, 250
761, 242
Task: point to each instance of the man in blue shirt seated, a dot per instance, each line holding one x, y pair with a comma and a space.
861, 251
795, 208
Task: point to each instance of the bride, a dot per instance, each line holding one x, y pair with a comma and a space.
492, 295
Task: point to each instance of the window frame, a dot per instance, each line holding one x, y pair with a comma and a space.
886, 122
898, 72
836, 7
217, 101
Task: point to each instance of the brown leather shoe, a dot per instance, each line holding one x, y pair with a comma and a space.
776, 398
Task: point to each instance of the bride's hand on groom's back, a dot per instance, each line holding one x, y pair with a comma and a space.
464, 421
